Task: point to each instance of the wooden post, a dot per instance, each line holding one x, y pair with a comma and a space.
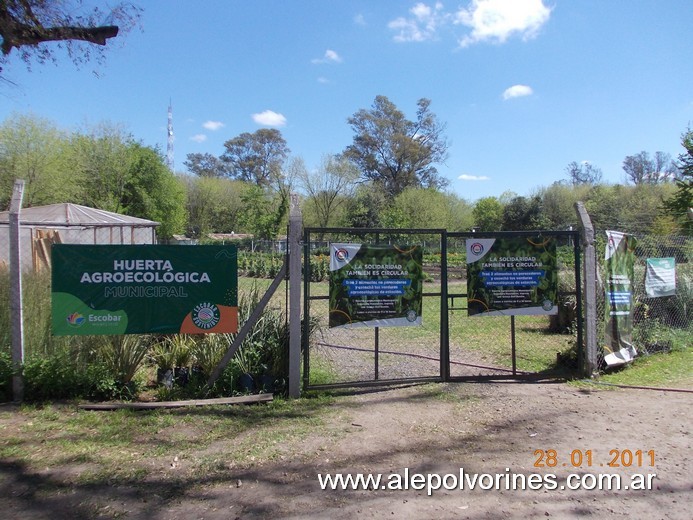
247, 326
591, 362
294, 244
16, 315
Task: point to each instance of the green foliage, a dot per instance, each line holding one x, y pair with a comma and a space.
172, 351
364, 210
256, 158
58, 376
124, 355
427, 208
213, 205
524, 214
6, 372
103, 167
488, 214
153, 192
33, 149
264, 212
680, 202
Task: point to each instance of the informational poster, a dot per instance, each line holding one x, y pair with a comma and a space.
660, 277
135, 289
618, 334
375, 285
515, 275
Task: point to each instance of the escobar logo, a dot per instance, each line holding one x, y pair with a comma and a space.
205, 315
75, 319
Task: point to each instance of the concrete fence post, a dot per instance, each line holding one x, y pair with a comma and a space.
591, 362
294, 242
16, 307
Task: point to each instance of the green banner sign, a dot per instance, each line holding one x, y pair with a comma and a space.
660, 277
618, 334
135, 289
512, 276
375, 285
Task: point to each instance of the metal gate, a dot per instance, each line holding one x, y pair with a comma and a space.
449, 344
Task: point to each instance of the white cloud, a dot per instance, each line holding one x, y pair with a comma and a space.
269, 118
323, 80
517, 91
465, 177
213, 125
329, 57
498, 20
199, 138
422, 25
359, 19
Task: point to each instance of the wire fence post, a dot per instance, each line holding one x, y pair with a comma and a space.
590, 364
294, 244
16, 315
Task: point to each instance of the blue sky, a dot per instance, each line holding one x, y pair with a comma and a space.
524, 86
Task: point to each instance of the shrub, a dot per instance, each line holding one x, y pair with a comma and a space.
5, 376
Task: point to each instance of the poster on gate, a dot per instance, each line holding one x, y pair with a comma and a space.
516, 275
619, 259
137, 289
377, 285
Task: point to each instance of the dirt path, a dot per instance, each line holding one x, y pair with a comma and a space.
438, 429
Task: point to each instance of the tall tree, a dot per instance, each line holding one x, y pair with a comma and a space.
641, 169
328, 186
583, 173
680, 204
396, 153
256, 157
206, 165
26, 25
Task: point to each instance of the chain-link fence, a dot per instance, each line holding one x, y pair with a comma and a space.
660, 323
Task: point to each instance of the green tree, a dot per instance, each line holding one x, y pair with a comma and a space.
213, 205
264, 212
206, 165
488, 214
153, 192
35, 150
679, 205
102, 160
365, 208
523, 213
417, 208
396, 153
558, 203
256, 157
28, 25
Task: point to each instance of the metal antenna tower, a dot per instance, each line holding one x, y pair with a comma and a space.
169, 145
